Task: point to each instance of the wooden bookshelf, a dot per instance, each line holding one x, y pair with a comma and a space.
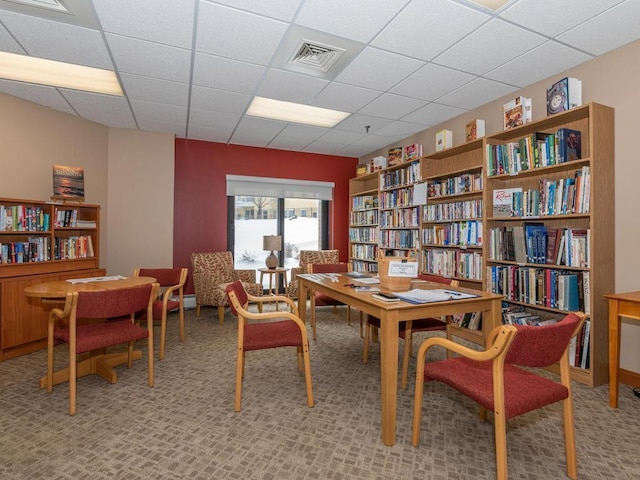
40, 242
363, 223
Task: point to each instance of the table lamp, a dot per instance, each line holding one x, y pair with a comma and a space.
272, 242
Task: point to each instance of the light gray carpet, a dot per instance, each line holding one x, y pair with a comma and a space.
185, 426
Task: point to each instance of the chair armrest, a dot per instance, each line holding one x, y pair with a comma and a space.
276, 316
247, 275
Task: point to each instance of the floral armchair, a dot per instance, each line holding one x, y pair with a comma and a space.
212, 272
307, 257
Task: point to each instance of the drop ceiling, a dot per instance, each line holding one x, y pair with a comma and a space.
192, 67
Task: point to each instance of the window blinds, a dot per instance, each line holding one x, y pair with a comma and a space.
240, 185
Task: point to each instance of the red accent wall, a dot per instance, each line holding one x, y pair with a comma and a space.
200, 203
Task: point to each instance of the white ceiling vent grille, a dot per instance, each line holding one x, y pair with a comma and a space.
316, 55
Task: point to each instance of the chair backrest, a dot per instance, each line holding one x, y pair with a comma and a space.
329, 267
318, 256
543, 345
238, 299
114, 303
430, 277
166, 277
217, 264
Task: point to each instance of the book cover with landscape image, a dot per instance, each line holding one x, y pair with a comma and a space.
68, 182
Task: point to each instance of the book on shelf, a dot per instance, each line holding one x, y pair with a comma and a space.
554, 236
378, 163
586, 289
516, 112
394, 156
412, 152
564, 95
503, 201
474, 129
68, 182
569, 144
535, 235
363, 169
444, 139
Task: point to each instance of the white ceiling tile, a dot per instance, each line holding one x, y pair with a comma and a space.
290, 87
476, 93
433, 113
220, 135
493, 44
152, 111
551, 17
358, 20
324, 148
614, 28
40, 94
150, 59
8, 43
256, 131
401, 129
353, 151
219, 100
161, 21
374, 142
57, 41
288, 143
392, 106
431, 82
116, 121
346, 98
356, 123
151, 125
226, 74
282, 9
84, 102
235, 34
210, 119
304, 132
378, 69
428, 27
152, 89
342, 136
549, 58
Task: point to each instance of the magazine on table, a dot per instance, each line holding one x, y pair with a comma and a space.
418, 295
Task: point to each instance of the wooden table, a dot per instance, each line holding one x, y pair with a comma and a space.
620, 305
281, 276
89, 364
390, 315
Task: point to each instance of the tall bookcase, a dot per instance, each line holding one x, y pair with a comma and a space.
363, 223
548, 188
40, 242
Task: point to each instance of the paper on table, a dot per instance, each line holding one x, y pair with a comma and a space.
367, 281
418, 295
95, 279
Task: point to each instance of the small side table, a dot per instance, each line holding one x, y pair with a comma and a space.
281, 278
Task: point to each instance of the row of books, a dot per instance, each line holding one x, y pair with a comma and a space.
403, 197
564, 196
399, 239
453, 263
400, 218
534, 242
552, 288
468, 182
403, 176
366, 252
442, 212
74, 247
519, 315
363, 234
365, 217
541, 149
465, 233
364, 202
470, 320
579, 347
364, 266
36, 249
23, 218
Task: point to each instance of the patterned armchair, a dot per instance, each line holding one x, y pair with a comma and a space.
307, 257
212, 272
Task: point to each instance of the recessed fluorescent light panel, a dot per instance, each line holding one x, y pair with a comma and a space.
494, 5
58, 74
295, 112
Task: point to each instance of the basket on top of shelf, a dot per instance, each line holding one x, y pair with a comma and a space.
403, 271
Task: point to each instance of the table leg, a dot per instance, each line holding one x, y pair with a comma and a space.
614, 351
389, 375
302, 301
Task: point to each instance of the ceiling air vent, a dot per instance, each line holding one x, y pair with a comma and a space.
315, 55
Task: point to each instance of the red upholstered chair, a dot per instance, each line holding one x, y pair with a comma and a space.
116, 309
259, 331
309, 257
493, 378
319, 299
171, 282
407, 329
212, 272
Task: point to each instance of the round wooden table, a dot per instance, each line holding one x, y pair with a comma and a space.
92, 363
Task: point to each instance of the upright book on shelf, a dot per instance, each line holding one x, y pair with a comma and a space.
564, 95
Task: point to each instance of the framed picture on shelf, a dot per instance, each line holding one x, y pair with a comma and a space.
68, 183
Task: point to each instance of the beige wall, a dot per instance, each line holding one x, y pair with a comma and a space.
128, 173
611, 80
